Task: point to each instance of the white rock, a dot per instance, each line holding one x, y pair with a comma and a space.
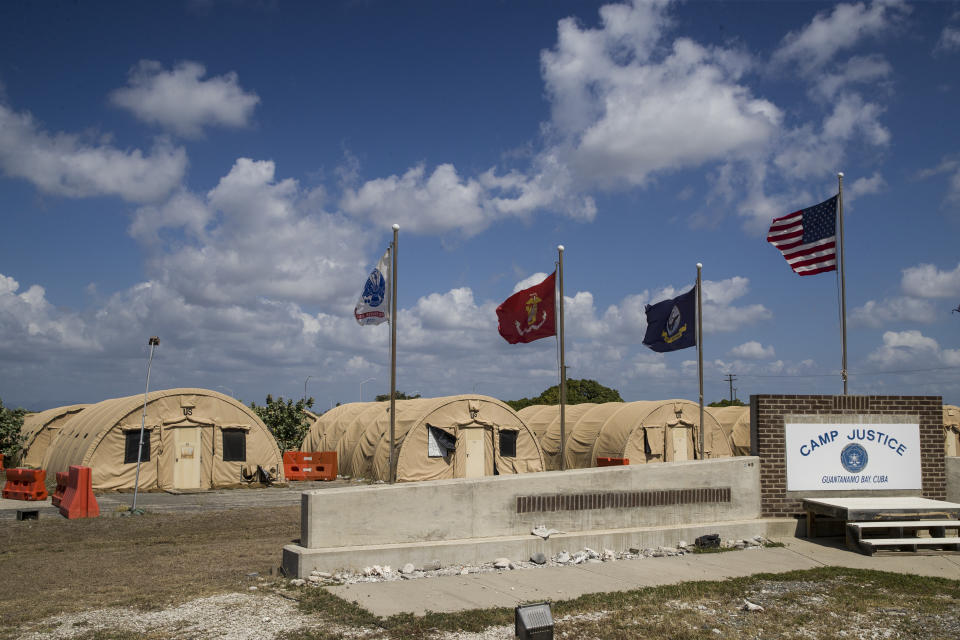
323, 574
682, 544
501, 563
749, 606
253, 588
543, 532
563, 557
368, 571
591, 553
579, 558
298, 582
608, 555
314, 579
464, 571
408, 568
265, 619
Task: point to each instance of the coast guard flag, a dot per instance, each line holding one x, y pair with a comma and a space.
670, 323
529, 314
808, 238
373, 305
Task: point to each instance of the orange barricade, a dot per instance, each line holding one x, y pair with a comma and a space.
78, 500
612, 462
57, 497
25, 484
293, 465
310, 465
1, 462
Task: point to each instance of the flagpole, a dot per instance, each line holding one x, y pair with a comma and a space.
843, 285
700, 353
393, 354
563, 370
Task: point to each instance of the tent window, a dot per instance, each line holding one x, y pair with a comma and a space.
439, 443
508, 444
132, 443
234, 445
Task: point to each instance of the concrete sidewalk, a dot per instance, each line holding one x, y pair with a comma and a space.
509, 588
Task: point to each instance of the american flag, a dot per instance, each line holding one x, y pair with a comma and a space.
808, 238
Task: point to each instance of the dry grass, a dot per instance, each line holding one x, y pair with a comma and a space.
55, 565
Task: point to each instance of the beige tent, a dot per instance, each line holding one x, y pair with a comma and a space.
39, 429
951, 429
736, 424
644, 431
194, 439
435, 438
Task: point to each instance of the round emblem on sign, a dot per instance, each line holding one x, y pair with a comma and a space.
853, 457
375, 289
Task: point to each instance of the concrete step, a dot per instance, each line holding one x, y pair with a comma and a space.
871, 545
906, 524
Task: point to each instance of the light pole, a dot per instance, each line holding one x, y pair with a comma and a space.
154, 342
361, 386
305, 388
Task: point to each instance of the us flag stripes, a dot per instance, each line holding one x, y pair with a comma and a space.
808, 238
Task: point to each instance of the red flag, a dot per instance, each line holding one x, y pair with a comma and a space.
529, 314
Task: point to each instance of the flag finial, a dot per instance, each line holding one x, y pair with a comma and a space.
840, 174
396, 227
559, 247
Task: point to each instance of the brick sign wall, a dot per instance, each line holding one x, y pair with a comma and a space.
768, 441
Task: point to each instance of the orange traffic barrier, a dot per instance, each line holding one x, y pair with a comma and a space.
310, 465
1, 462
25, 484
57, 497
612, 462
78, 500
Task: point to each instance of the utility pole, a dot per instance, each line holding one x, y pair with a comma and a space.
730, 379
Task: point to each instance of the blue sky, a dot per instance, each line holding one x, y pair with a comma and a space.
225, 174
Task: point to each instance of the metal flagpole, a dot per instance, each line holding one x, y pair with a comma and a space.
563, 370
154, 341
700, 354
843, 285
393, 354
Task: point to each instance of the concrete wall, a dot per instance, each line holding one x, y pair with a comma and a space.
953, 479
440, 520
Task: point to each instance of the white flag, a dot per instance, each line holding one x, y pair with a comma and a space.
373, 305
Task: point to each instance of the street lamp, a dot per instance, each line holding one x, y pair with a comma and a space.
361, 386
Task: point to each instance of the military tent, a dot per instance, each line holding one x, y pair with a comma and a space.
643, 431
39, 429
735, 422
194, 439
951, 429
435, 438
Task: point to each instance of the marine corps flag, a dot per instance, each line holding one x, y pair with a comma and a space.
670, 323
529, 314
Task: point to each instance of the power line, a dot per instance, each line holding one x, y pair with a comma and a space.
849, 373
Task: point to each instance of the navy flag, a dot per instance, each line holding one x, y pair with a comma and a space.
670, 323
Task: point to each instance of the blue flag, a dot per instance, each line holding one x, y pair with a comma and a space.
670, 323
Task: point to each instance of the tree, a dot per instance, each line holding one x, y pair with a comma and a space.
287, 421
11, 435
727, 403
578, 392
399, 396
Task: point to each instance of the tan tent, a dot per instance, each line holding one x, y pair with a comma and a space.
194, 439
951, 429
435, 438
736, 424
644, 431
39, 429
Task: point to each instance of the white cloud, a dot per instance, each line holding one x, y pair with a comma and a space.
893, 310
912, 348
181, 101
68, 165
752, 350
866, 186
949, 39
529, 281
856, 70
927, 281
253, 236
842, 28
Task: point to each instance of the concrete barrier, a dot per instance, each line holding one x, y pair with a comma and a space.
953, 479
475, 520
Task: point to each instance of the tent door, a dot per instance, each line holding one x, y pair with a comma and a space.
476, 451
186, 465
679, 442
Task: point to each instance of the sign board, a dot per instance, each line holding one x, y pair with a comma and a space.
852, 457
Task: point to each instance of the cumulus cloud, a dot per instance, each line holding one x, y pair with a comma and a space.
753, 350
842, 28
866, 186
900, 309
949, 40
181, 101
927, 281
69, 165
252, 236
912, 348
857, 70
